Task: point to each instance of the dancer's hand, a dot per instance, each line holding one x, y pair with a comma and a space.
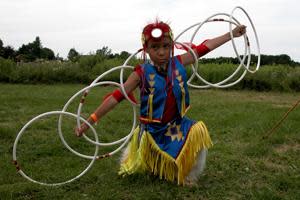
239, 31
79, 131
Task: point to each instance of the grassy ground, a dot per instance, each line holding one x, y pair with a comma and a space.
241, 165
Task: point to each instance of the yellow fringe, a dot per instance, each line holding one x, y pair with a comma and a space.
157, 161
149, 157
197, 140
132, 162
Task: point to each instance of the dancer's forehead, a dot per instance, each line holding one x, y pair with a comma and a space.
162, 41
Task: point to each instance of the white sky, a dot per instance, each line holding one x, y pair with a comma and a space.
88, 25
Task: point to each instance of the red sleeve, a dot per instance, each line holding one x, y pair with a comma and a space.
138, 69
202, 49
117, 94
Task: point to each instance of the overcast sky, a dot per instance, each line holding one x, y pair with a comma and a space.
88, 25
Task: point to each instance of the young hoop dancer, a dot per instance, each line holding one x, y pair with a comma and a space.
166, 143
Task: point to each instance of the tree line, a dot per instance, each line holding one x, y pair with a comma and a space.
27, 52
35, 51
282, 59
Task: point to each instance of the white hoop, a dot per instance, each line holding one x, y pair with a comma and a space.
256, 39
38, 117
219, 84
124, 139
247, 52
122, 81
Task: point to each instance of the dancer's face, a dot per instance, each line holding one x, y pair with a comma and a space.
159, 51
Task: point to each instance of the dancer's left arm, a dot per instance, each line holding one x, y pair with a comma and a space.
212, 44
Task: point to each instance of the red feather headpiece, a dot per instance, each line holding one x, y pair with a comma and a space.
156, 31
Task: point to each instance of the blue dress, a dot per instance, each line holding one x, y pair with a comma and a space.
168, 150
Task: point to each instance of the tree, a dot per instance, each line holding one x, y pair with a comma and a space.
124, 55
26, 52
9, 52
34, 50
47, 53
105, 52
73, 55
37, 47
1, 48
284, 59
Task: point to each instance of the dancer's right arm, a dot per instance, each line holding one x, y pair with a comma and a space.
109, 103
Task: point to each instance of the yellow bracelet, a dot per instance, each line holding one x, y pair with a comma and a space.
94, 117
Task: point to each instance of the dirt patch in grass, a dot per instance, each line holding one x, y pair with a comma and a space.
287, 147
273, 165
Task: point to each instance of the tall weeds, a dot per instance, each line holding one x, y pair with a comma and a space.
271, 77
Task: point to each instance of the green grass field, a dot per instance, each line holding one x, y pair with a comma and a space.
241, 165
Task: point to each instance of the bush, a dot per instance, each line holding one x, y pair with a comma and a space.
272, 77
7, 68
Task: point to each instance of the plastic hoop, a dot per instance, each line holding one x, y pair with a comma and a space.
38, 117
122, 81
256, 38
97, 143
218, 85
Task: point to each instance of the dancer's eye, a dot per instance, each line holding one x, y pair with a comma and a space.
166, 45
154, 46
